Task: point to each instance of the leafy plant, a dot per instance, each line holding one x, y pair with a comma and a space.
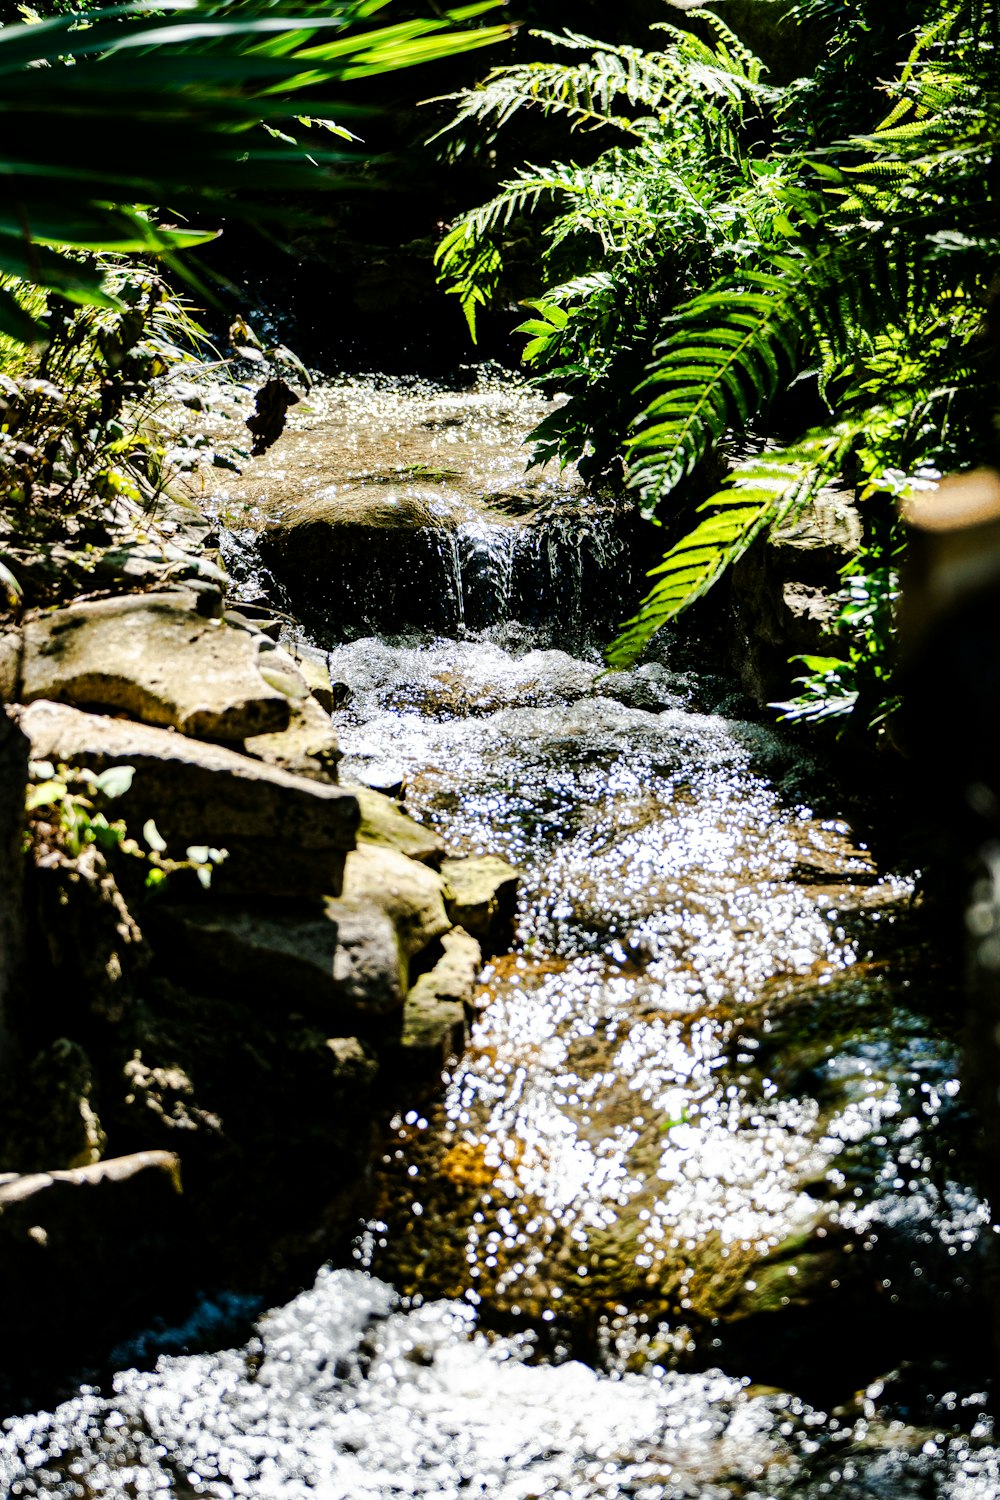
67, 802
674, 197
727, 250
881, 285
217, 97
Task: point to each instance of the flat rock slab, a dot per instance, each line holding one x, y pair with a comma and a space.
19, 1188
62, 1212
481, 897
286, 835
85, 1252
342, 962
155, 658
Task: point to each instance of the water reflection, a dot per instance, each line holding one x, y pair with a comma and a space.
694, 1099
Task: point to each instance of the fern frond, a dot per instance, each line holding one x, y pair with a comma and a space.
727, 68
724, 359
473, 268
763, 493
587, 92
581, 288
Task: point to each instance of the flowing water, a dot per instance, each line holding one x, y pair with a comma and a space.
392, 501
692, 1217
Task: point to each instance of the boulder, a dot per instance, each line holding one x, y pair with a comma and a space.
270, 1110
308, 747
453, 977
157, 658
481, 896
384, 776
432, 1036
342, 961
285, 835
383, 823
404, 540
409, 893
369, 967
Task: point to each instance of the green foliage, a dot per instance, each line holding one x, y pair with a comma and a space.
66, 808
73, 810
735, 238
106, 112
764, 492
64, 431
833, 687
635, 229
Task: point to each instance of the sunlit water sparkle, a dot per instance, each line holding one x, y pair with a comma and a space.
698, 1088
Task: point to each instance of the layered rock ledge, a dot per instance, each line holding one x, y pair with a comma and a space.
237, 966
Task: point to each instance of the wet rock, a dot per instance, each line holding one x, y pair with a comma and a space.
342, 962
285, 835
481, 897
783, 594
314, 550
385, 776
408, 892
92, 943
308, 747
650, 686
155, 658
384, 824
454, 976
13, 777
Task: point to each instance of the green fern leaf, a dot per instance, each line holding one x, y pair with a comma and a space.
763, 493
723, 361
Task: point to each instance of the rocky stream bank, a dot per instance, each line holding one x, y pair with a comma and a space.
706, 1116
222, 970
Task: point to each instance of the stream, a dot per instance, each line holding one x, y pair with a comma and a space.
694, 1215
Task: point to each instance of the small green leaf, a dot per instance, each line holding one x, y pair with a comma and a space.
153, 836
115, 781
46, 795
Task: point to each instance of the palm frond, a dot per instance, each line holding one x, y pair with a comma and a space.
195, 81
